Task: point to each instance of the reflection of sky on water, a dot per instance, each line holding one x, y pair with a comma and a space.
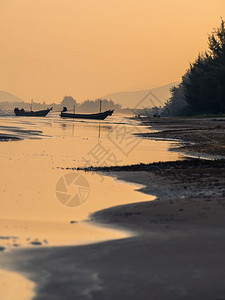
32, 167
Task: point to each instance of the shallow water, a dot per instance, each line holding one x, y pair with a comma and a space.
14, 286
42, 203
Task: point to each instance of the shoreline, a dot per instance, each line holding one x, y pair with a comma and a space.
177, 254
198, 136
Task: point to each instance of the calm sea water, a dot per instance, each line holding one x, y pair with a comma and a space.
43, 201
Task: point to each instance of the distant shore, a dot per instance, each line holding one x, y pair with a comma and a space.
178, 251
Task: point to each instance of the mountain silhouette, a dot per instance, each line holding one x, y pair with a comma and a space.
131, 99
8, 97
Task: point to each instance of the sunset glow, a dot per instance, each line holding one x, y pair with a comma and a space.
87, 49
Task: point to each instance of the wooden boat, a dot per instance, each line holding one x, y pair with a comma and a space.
24, 113
97, 116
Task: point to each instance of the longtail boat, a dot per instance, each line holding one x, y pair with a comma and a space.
96, 116
24, 113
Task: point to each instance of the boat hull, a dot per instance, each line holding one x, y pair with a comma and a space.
98, 116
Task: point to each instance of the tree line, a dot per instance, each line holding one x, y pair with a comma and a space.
202, 89
68, 101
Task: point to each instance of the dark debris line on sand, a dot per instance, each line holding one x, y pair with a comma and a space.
7, 137
177, 165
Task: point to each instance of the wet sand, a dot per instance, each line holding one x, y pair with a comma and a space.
177, 252
198, 136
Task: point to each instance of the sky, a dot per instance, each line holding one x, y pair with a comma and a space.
91, 48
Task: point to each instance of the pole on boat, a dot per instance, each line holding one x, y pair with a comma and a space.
31, 104
100, 106
74, 109
99, 130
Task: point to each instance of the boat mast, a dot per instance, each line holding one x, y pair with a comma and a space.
31, 104
100, 106
74, 109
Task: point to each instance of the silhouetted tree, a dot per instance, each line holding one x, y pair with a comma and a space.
93, 105
203, 85
176, 104
68, 101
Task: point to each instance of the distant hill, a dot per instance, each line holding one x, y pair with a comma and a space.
7, 97
143, 98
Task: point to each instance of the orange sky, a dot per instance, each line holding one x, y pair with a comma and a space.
89, 48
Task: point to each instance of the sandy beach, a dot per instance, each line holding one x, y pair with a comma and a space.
177, 251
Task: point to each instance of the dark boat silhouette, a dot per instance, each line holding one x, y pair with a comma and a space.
96, 116
24, 113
